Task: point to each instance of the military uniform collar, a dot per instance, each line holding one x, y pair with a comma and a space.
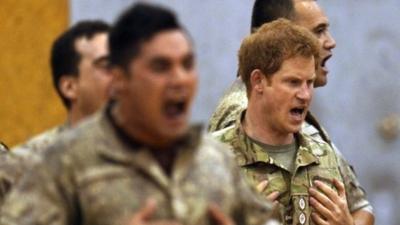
306, 154
140, 157
252, 153
312, 120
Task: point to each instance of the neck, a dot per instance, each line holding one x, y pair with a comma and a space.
138, 133
75, 116
260, 127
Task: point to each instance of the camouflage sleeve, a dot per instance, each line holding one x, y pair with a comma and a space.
224, 116
40, 197
229, 107
10, 171
356, 196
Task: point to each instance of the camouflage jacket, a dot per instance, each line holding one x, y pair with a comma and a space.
14, 163
91, 175
229, 107
8, 172
235, 101
34, 146
315, 159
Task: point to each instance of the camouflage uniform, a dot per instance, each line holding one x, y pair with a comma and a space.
92, 175
14, 163
315, 160
7, 171
229, 108
33, 147
235, 101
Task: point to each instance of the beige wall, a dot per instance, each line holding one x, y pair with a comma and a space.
28, 103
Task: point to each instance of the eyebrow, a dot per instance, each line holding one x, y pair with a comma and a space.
321, 25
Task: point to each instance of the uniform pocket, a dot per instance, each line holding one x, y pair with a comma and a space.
256, 173
326, 175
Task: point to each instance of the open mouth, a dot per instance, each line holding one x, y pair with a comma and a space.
298, 113
175, 108
324, 60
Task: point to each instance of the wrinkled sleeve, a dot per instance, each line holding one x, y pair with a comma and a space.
356, 196
38, 198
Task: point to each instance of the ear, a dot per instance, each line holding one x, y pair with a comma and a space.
68, 86
119, 81
257, 79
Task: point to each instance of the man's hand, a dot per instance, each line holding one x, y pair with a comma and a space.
143, 217
218, 216
331, 207
272, 196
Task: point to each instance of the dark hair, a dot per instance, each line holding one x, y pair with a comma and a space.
64, 57
135, 26
272, 44
265, 11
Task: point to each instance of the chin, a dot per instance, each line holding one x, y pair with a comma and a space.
174, 133
294, 129
321, 80
320, 83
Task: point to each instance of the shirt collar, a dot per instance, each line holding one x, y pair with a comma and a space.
252, 153
121, 149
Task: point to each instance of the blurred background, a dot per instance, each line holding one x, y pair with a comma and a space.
360, 106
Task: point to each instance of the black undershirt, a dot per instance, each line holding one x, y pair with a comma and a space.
165, 157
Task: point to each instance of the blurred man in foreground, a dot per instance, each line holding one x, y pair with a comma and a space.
139, 161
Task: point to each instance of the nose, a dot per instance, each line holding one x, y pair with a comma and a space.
179, 74
305, 93
178, 77
329, 42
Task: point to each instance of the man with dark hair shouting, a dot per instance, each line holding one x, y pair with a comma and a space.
139, 161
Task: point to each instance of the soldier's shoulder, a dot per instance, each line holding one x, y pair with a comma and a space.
311, 139
86, 133
309, 129
233, 99
315, 144
225, 115
38, 143
210, 141
229, 106
224, 135
73, 148
214, 151
11, 168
